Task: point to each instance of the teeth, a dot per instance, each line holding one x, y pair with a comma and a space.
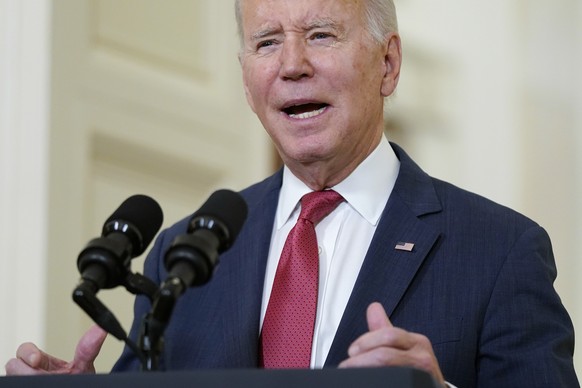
307, 115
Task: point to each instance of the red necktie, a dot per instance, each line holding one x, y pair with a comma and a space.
290, 318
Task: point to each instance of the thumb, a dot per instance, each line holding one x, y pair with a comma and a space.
377, 317
88, 349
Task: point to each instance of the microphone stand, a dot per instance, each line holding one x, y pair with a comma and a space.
151, 338
85, 295
192, 259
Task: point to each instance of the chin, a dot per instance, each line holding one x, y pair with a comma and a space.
309, 157
307, 150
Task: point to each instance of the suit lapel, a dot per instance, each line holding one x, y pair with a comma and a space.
387, 272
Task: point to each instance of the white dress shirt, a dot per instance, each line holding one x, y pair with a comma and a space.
343, 238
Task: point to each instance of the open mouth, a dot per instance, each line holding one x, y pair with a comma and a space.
305, 111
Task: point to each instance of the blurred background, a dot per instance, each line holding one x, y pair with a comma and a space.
102, 99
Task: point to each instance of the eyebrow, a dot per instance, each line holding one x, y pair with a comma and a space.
322, 23
263, 33
318, 23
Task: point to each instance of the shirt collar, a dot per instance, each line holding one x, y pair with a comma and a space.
366, 189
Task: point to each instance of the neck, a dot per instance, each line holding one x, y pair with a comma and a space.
322, 174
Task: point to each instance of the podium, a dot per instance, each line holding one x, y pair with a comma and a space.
240, 378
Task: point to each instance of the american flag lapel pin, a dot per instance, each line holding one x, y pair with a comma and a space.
404, 246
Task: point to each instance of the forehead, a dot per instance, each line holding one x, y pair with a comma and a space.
260, 14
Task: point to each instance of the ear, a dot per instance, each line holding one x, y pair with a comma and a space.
392, 61
245, 77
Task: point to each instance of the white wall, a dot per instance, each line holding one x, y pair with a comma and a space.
24, 80
550, 127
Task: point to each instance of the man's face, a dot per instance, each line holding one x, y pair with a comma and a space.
316, 79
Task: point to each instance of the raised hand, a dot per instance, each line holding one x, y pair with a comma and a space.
386, 345
30, 360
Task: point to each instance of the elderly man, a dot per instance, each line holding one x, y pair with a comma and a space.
400, 269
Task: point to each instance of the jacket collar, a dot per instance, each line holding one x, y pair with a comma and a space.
387, 272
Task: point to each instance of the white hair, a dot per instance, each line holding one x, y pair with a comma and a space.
380, 16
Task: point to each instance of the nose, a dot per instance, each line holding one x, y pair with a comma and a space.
295, 63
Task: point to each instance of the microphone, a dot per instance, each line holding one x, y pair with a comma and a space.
212, 229
190, 261
105, 261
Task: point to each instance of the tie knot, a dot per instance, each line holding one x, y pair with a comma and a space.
318, 204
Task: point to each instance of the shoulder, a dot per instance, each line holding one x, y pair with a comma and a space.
427, 195
256, 195
262, 191
461, 203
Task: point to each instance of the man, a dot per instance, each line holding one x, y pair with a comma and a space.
412, 271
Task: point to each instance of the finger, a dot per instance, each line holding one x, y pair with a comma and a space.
377, 317
382, 357
32, 356
389, 337
379, 333
17, 367
88, 349
49, 364
376, 357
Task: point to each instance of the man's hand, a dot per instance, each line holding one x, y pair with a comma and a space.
30, 360
386, 345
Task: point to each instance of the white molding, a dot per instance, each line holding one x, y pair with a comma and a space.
24, 127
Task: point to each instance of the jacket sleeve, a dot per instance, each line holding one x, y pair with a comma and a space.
527, 339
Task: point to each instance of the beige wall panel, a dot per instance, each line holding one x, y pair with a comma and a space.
168, 35
550, 124
147, 98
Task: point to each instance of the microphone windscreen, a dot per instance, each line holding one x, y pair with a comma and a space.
142, 212
227, 206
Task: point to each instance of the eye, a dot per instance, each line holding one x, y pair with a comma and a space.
320, 35
265, 43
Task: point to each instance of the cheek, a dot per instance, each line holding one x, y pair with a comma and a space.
252, 92
353, 75
257, 87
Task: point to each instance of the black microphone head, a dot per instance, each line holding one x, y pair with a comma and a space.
138, 212
227, 207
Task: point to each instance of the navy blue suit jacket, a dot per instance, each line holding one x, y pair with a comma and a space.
478, 284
